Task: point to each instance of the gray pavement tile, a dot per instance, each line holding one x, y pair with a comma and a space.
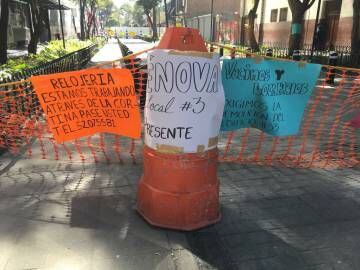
56, 213
184, 260
9, 235
280, 263
44, 245
128, 242
177, 240
160, 260
208, 247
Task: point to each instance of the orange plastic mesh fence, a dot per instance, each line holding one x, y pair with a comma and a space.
326, 138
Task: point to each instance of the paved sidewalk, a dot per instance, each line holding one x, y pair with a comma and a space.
58, 215
62, 215
109, 52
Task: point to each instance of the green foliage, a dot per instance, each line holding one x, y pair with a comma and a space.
112, 22
52, 50
130, 15
105, 8
147, 38
148, 5
138, 15
125, 14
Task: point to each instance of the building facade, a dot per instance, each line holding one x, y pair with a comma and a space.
20, 22
273, 21
225, 18
333, 29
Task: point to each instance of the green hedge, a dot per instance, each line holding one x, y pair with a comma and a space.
47, 52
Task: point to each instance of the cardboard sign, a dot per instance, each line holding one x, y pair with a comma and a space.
268, 95
81, 103
184, 101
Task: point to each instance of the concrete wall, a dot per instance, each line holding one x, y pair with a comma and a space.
278, 32
67, 15
18, 28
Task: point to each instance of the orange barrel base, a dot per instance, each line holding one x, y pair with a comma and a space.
179, 191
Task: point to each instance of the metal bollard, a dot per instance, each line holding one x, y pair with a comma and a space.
221, 51
269, 52
232, 54
333, 60
296, 55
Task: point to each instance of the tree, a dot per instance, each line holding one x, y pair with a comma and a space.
298, 9
355, 33
154, 28
131, 15
251, 35
105, 8
148, 6
88, 12
38, 15
4, 18
112, 22
82, 7
91, 20
126, 14
138, 15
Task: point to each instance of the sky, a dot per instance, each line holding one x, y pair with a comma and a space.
118, 3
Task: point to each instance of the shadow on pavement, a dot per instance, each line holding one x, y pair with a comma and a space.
273, 218
295, 220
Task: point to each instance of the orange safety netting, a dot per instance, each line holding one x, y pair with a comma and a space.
327, 139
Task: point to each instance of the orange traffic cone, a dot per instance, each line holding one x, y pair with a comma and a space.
180, 191
182, 39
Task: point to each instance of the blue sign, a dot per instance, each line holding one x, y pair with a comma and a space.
266, 94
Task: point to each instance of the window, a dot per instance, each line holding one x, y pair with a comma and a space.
274, 15
283, 14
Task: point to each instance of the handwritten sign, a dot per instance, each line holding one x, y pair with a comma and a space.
184, 101
81, 103
268, 95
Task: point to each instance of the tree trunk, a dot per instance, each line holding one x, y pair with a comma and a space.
298, 9
91, 19
73, 21
4, 18
34, 33
154, 28
47, 24
38, 15
166, 14
150, 22
95, 26
355, 33
88, 28
82, 19
296, 30
251, 35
